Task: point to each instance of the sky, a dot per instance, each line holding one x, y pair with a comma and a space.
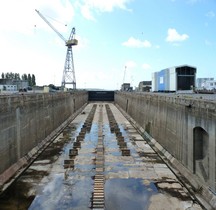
119, 41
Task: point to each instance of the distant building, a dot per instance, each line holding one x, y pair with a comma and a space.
126, 87
203, 82
145, 86
12, 85
177, 78
21, 84
7, 85
209, 85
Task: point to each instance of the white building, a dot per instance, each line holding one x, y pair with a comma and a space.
12, 85
145, 86
205, 83
201, 81
8, 87
209, 85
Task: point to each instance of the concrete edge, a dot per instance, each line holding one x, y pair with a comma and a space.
201, 192
14, 171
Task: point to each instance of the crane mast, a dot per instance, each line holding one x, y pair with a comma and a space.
68, 72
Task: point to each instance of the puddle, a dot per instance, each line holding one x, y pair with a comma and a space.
59, 194
22, 192
127, 194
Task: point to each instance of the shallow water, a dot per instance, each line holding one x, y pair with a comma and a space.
127, 194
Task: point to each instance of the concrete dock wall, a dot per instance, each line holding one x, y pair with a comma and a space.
182, 126
26, 120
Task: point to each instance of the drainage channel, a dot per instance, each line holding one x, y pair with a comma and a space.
98, 193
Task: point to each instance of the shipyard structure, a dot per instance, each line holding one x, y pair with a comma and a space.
177, 78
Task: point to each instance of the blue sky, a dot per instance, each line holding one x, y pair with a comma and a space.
119, 40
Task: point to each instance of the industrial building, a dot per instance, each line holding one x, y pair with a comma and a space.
7, 85
177, 78
145, 86
126, 87
12, 85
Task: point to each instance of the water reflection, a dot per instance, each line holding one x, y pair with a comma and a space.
127, 194
59, 194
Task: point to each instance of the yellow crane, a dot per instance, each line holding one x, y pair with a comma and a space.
68, 72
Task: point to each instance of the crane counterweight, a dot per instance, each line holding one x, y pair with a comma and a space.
71, 42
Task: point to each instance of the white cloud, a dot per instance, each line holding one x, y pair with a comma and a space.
88, 7
21, 17
107, 6
174, 36
132, 42
146, 66
85, 10
130, 64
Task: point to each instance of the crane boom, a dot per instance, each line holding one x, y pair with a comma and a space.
51, 26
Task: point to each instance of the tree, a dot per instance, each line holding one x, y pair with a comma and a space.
24, 77
17, 76
11, 75
29, 80
53, 87
33, 80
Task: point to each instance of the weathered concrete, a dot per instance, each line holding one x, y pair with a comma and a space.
26, 120
138, 181
183, 130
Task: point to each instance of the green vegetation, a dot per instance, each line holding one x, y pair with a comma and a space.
16, 76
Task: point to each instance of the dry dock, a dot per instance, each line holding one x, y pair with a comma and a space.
99, 161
